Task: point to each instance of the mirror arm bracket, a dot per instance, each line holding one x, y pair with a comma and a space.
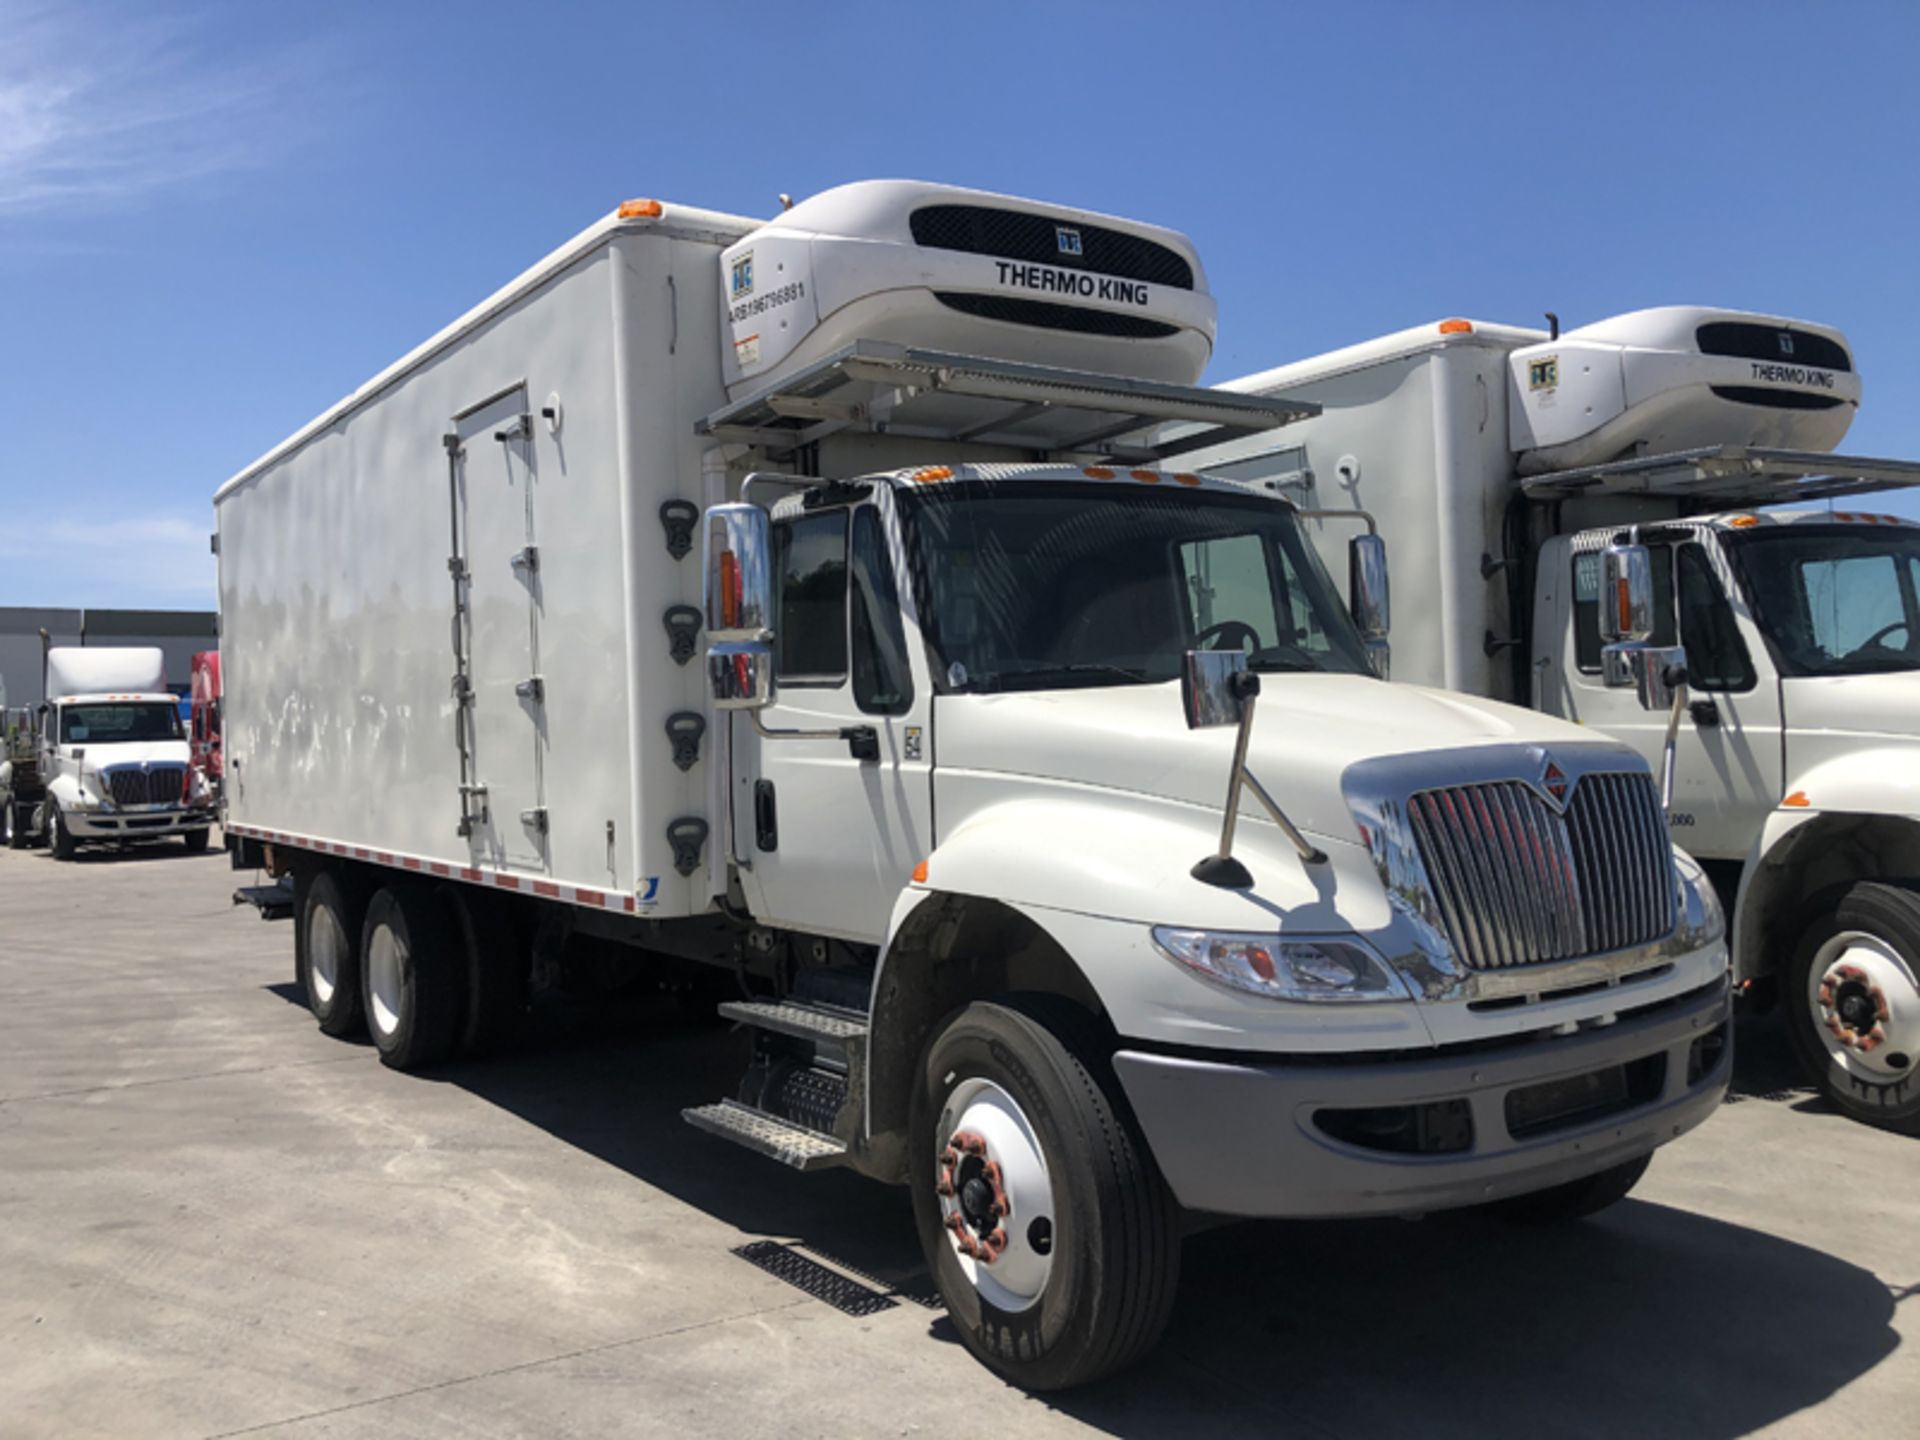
1221, 869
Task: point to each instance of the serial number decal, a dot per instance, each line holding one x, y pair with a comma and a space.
1793, 375
1050, 281
772, 300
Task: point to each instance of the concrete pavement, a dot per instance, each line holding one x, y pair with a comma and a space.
216, 1221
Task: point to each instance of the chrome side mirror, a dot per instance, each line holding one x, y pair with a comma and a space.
738, 579
1369, 598
1626, 595
1210, 691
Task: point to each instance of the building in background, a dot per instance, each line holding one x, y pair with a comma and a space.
178, 633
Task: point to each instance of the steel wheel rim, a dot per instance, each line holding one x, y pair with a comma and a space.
1865, 1003
323, 957
1015, 1278
384, 981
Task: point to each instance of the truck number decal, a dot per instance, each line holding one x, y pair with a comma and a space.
1679, 820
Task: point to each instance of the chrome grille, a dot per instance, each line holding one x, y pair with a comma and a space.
1518, 883
161, 785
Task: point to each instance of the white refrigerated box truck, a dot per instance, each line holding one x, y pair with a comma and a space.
956, 788
1503, 462
104, 759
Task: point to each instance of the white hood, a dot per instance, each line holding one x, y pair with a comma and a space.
1307, 730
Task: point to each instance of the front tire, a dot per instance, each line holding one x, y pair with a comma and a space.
1575, 1200
1048, 1229
1853, 1005
415, 991
11, 830
59, 839
196, 841
326, 949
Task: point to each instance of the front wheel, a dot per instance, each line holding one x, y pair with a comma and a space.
1853, 1005
196, 841
1048, 1229
59, 839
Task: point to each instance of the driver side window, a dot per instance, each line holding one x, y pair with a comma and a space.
1227, 583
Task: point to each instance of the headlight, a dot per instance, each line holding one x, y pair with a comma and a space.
1342, 970
1701, 920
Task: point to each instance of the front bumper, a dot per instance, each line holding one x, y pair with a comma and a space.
1241, 1137
132, 824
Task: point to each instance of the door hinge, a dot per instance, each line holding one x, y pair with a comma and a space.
518, 428
462, 690
532, 688
452, 444
456, 567
535, 819
528, 560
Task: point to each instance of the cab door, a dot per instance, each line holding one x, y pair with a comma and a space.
828, 828
1729, 766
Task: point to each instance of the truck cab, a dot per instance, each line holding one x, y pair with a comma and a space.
1797, 760
1506, 464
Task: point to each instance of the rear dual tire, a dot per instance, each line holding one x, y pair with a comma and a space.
13, 830
331, 910
413, 986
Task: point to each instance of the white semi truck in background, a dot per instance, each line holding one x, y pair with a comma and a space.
1502, 463
105, 759
956, 791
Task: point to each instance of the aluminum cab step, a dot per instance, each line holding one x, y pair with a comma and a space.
804, 1022
767, 1135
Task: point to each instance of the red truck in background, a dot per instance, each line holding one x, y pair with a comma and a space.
206, 765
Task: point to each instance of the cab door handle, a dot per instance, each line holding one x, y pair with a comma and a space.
1705, 714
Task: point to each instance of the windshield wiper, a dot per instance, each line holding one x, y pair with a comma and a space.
1275, 658
997, 681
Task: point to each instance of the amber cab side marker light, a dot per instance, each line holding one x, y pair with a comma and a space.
1146, 477
640, 210
1097, 472
920, 873
930, 474
1798, 800
1744, 522
1186, 477
1456, 327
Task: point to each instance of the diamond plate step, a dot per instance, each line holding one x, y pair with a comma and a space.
767, 1135
808, 1022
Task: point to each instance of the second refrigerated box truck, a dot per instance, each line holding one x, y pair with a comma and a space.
1502, 463
956, 787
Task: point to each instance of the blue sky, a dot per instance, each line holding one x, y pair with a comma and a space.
215, 220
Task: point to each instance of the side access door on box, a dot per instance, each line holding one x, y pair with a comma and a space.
500, 716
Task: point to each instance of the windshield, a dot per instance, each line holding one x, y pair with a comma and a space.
1835, 600
1037, 585
109, 724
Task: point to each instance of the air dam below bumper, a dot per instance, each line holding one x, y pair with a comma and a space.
1240, 1137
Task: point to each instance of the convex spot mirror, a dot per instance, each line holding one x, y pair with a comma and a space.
1658, 671
1215, 686
738, 581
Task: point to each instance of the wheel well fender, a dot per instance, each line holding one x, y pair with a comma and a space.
1799, 863
946, 951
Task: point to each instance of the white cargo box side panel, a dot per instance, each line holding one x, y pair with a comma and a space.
339, 633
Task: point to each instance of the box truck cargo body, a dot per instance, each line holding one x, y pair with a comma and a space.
848, 628
1504, 464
